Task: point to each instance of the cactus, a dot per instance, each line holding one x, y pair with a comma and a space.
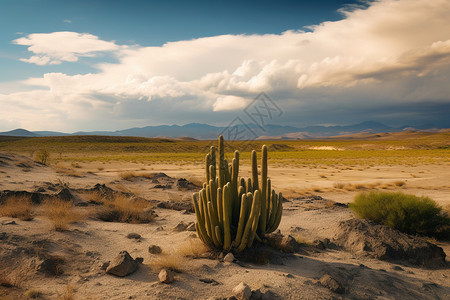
232, 212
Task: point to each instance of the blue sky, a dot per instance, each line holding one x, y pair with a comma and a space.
106, 65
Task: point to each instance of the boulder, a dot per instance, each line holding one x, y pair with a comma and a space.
365, 238
122, 265
331, 283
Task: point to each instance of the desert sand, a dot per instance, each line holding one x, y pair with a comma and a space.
310, 215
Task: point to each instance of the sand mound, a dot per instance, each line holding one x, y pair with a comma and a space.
364, 238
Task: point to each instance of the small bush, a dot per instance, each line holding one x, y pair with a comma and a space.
42, 156
407, 213
172, 261
124, 209
17, 207
61, 214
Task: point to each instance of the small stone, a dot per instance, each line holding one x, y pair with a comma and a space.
165, 276
288, 275
159, 228
9, 222
191, 227
209, 281
229, 258
134, 235
242, 291
398, 268
139, 260
181, 227
331, 283
104, 265
154, 249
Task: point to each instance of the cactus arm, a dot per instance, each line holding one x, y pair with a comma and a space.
249, 185
226, 217
207, 164
264, 202
254, 171
252, 221
257, 199
213, 162
220, 206
218, 235
242, 219
214, 224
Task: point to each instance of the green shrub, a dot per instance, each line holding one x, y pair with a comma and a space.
407, 213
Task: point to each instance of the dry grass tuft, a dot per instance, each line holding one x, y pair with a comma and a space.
125, 209
172, 261
17, 207
67, 294
399, 183
339, 185
61, 214
33, 294
192, 248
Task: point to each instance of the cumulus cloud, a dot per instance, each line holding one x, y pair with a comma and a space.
56, 47
390, 52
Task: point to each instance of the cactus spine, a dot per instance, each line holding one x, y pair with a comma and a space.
232, 212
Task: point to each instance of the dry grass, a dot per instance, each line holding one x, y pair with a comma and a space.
67, 294
192, 248
125, 209
33, 294
172, 261
129, 175
399, 183
61, 214
17, 207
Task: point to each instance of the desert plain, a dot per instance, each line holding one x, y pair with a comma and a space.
318, 178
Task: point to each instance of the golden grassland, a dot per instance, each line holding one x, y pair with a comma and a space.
400, 148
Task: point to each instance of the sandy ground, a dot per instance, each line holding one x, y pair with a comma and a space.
90, 242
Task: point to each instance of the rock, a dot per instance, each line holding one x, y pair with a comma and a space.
166, 276
8, 222
122, 265
331, 283
104, 265
229, 258
181, 227
159, 228
191, 227
364, 238
139, 260
51, 266
286, 244
242, 291
134, 235
154, 249
182, 183
179, 206
209, 281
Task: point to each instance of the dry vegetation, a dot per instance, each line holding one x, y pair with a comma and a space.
61, 214
124, 209
18, 207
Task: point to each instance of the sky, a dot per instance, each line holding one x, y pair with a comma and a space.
85, 65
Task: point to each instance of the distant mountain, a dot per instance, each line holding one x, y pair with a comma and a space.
19, 132
243, 131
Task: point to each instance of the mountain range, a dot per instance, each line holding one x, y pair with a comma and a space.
239, 132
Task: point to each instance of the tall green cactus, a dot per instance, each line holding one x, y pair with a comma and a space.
231, 212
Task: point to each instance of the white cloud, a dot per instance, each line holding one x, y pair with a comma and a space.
230, 103
390, 52
53, 48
